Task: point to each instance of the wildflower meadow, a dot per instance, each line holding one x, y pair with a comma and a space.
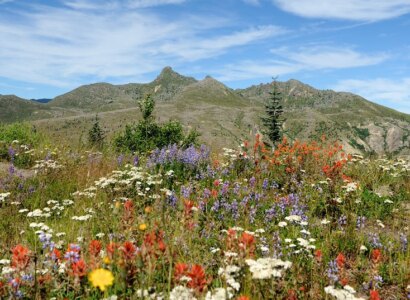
305, 220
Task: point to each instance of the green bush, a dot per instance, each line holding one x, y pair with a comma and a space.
147, 135
15, 140
22, 132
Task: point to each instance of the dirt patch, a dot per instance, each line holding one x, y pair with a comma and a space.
26, 173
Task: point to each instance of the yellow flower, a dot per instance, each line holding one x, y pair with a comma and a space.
107, 260
101, 278
148, 209
142, 227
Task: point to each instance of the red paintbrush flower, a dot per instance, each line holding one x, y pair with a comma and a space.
247, 243
341, 260
21, 257
128, 205
128, 250
376, 255
318, 255
198, 280
79, 268
111, 247
181, 269
374, 295
95, 248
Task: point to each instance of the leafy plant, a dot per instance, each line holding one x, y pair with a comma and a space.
147, 135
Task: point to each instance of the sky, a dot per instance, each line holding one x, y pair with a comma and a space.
49, 47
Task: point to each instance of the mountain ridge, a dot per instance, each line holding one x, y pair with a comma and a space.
225, 115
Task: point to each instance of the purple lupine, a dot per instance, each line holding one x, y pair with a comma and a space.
136, 160
265, 184
342, 221
207, 193
12, 153
120, 159
252, 182
236, 188
374, 240
403, 242
333, 271
235, 210
186, 191
270, 214
277, 245
252, 214
377, 280
216, 206
12, 170
172, 200
225, 188
360, 223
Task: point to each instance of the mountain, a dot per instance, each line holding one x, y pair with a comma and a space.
223, 115
107, 97
13, 108
42, 100
359, 123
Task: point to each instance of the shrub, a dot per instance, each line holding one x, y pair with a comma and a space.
147, 135
15, 142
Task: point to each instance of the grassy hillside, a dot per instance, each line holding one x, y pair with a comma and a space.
13, 108
223, 116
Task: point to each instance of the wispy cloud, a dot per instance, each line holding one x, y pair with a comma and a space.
115, 4
152, 3
288, 61
252, 2
322, 57
383, 90
358, 10
63, 47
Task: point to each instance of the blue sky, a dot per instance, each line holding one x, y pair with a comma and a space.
50, 47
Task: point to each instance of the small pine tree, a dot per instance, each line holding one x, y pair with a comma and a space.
273, 120
96, 135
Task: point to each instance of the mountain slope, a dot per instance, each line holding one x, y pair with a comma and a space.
359, 123
13, 108
105, 97
224, 116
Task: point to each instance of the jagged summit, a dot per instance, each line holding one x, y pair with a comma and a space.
168, 74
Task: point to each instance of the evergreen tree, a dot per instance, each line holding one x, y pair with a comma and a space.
96, 135
273, 120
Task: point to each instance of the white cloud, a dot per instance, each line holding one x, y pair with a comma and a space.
65, 47
152, 3
382, 90
358, 10
252, 2
288, 61
116, 4
208, 47
321, 57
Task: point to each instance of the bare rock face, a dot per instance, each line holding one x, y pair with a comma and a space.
376, 138
394, 138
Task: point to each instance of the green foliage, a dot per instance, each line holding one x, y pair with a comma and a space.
273, 121
147, 135
22, 132
362, 133
96, 135
15, 140
147, 106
